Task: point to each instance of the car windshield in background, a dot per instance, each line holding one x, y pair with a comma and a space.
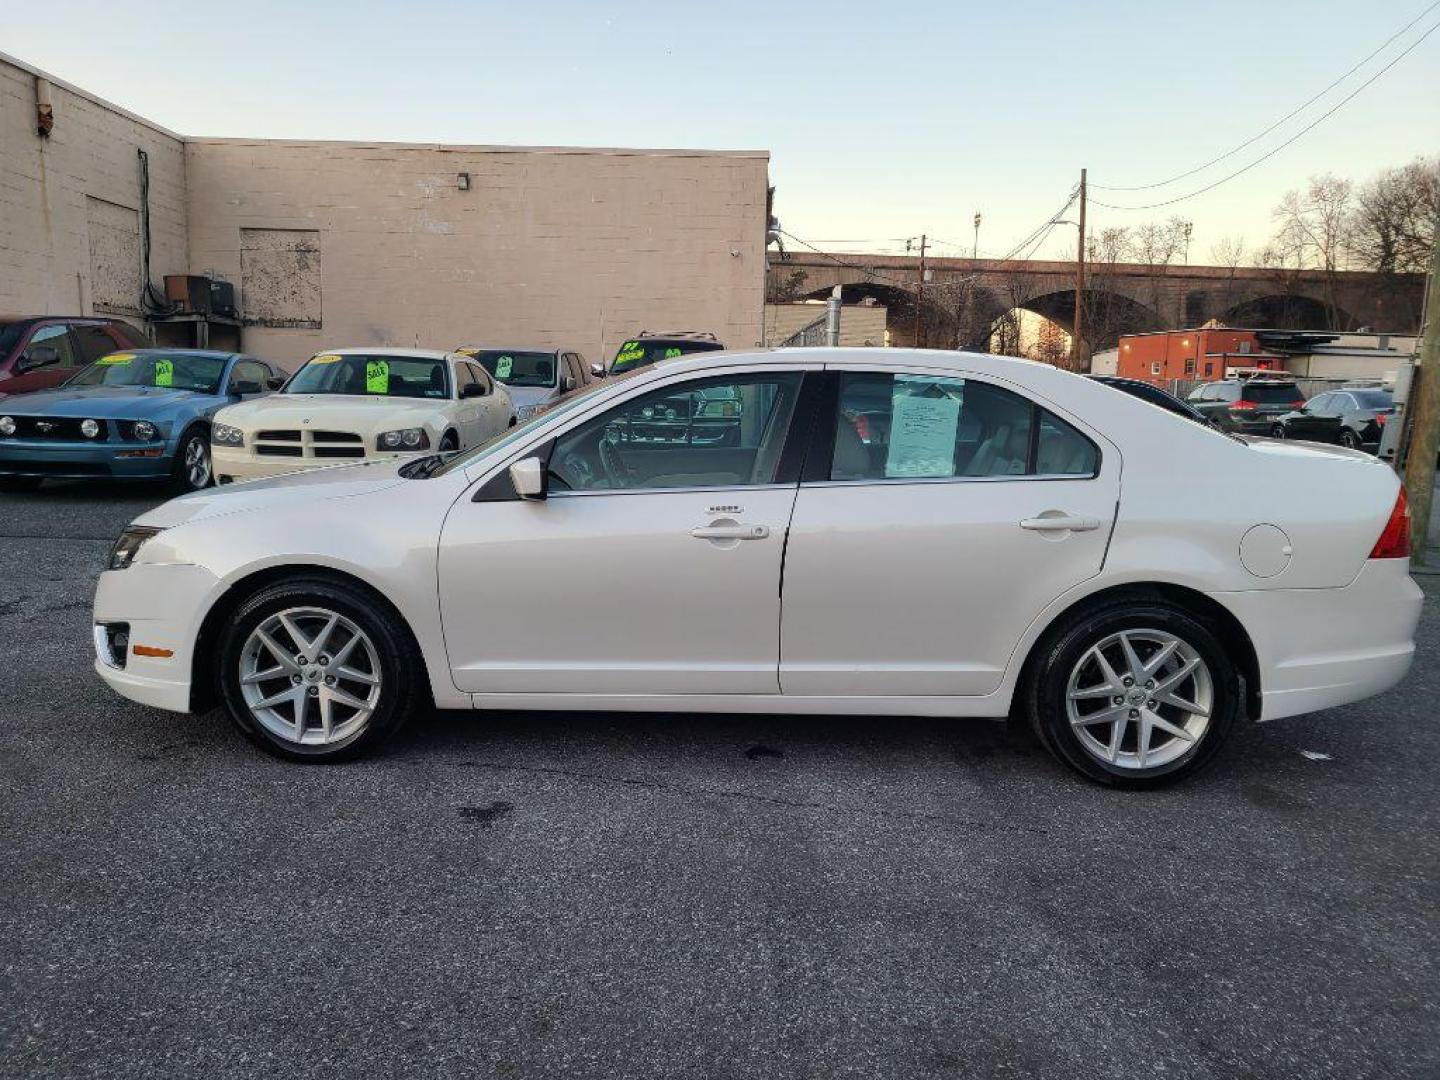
518, 368
164, 371
1372, 399
1271, 393
642, 353
372, 374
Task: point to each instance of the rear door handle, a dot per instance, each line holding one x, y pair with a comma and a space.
1062, 523
730, 532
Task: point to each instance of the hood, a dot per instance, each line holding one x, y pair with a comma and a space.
309, 487
532, 395
105, 402
336, 412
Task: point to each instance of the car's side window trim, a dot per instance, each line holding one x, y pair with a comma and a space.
819, 458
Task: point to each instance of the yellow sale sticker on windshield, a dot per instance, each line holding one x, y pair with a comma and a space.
468, 351
164, 372
117, 358
377, 377
503, 366
325, 358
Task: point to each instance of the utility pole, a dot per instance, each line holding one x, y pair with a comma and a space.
1077, 348
920, 300
975, 251
1425, 415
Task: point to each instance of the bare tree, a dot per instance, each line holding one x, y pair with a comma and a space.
786, 290
1157, 244
1315, 226
1394, 218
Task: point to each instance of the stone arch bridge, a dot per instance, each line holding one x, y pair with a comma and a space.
963, 298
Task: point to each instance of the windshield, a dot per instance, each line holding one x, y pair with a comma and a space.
1271, 393
517, 368
167, 371
1373, 399
372, 374
9, 335
564, 404
638, 354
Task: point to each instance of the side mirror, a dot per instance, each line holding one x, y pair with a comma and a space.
598, 370
274, 382
37, 356
527, 477
473, 389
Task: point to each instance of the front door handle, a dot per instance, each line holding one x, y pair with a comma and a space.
730, 532
1061, 523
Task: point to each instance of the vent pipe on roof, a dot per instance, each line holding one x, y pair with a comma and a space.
44, 111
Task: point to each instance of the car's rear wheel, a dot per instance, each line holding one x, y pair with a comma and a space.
1277, 431
1138, 694
17, 484
314, 670
193, 470
1349, 440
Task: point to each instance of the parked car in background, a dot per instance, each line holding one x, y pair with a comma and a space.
1154, 395
987, 556
1353, 416
535, 378
44, 350
645, 348
347, 405
143, 414
1248, 406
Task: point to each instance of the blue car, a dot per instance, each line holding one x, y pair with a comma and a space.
142, 414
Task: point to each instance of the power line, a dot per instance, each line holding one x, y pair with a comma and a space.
1278, 123
1267, 156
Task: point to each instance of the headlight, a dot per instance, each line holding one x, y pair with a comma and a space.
410, 438
143, 430
225, 435
129, 545
89, 428
7, 425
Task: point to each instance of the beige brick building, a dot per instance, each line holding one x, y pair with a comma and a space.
331, 244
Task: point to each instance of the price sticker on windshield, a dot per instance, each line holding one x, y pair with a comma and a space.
468, 350
116, 358
503, 366
673, 352
325, 358
164, 372
631, 350
377, 377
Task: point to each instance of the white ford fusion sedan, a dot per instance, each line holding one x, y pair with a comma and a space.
354, 404
879, 532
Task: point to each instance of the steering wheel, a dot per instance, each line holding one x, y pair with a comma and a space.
617, 473
577, 469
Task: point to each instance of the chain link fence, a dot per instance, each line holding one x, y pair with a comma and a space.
809, 335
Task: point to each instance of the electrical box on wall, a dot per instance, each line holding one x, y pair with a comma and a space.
200, 295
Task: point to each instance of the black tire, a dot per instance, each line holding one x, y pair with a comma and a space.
1349, 439
182, 477
449, 443
1046, 689
401, 668
1277, 431
17, 485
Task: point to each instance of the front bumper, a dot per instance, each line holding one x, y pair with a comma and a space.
163, 605
235, 464
66, 460
1319, 648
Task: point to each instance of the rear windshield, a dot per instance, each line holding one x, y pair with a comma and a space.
517, 368
1372, 399
368, 374
646, 351
165, 371
1272, 393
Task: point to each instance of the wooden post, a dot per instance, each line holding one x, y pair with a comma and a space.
1425, 414
1077, 348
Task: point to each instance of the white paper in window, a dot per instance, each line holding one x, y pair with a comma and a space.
922, 436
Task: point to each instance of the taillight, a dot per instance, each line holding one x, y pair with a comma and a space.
1380, 418
1394, 542
1241, 405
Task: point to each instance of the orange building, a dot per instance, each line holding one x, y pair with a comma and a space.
1205, 353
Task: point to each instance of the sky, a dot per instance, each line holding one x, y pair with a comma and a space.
884, 121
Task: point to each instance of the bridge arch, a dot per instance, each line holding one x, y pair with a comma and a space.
1287, 311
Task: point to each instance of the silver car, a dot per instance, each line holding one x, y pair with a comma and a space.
536, 378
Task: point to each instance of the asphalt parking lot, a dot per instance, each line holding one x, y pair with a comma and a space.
554, 895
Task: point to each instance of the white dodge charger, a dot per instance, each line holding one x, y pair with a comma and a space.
353, 404
880, 532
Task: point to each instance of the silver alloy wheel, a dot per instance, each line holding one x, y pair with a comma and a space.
1348, 439
196, 462
1139, 699
1277, 431
310, 676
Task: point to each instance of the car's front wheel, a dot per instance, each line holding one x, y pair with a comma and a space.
1277, 431
193, 470
1137, 694
1349, 439
317, 670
